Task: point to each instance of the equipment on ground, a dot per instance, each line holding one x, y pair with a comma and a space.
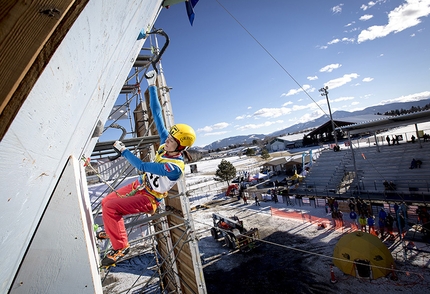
235, 235
362, 255
232, 190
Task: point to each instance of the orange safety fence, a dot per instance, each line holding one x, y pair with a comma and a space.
320, 221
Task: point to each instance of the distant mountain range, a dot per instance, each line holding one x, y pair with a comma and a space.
236, 140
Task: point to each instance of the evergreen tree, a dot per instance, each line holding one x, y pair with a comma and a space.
265, 154
250, 152
225, 172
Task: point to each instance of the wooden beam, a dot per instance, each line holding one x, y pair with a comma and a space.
31, 32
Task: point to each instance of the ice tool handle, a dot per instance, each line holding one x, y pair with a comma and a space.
157, 58
124, 132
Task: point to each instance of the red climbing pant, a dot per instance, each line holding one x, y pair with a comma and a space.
114, 208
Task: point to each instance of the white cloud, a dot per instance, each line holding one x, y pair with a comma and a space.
218, 126
344, 40
342, 99
369, 5
215, 134
241, 117
348, 40
334, 41
272, 112
350, 24
408, 98
367, 79
300, 107
287, 103
296, 91
310, 116
402, 17
330, 67
312, 78
337, 8
365, 17
341, 81
221, 125
257, 126
355, 103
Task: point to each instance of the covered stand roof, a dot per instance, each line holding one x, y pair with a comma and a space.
387, 122
285, 160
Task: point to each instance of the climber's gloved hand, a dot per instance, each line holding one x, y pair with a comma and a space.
151, 77
118, 145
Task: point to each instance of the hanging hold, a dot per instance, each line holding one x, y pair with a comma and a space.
157, 58
124, 132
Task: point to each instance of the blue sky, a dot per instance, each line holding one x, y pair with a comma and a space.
256, 66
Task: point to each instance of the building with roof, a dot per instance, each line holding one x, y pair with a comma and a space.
286, 142
324, 133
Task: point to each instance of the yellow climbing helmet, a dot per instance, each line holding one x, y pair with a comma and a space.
184, 136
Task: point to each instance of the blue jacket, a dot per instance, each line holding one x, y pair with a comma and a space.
167, 169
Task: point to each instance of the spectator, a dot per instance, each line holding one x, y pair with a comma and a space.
381, 221
245, 200
400, 222
419, 162
335, 205
359, 206
413, 164
405, 208
389, 186
413, 139
330, 203
240, 195
371, 224
340, 217
334, 218
257, 202
351, 205
364, 207
388, 140
353, 217
389, 222
363, 222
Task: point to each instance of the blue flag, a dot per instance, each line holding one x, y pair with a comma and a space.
190, 4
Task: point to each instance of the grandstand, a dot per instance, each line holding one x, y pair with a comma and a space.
375, 172
335, 175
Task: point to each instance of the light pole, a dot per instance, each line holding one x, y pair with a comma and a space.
324, 92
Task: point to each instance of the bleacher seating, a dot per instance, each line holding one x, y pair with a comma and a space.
373, 168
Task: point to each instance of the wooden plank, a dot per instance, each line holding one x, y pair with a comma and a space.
31, 32
63, 243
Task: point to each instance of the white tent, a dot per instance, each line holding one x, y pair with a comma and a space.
261, 176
